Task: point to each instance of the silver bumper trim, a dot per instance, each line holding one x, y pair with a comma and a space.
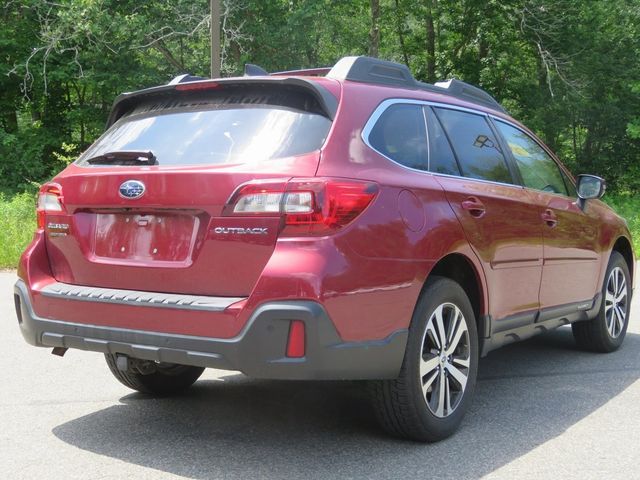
138, 298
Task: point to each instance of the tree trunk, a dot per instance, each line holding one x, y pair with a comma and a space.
10, 121
399, 27
215, 39
374, 33
431, 43
166, 53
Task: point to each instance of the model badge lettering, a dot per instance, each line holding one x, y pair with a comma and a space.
58, 226
241, 231
58, 229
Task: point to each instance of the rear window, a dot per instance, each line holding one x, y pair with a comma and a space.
233, 125
475, 145
441, 158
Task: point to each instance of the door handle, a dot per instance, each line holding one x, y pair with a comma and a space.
550, 218
474, 206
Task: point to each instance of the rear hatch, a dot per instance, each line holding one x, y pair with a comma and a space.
143, 207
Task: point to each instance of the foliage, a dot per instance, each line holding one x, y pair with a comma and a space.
628, 207
567, 69
17, 224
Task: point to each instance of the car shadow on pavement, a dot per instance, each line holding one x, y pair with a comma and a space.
238, 427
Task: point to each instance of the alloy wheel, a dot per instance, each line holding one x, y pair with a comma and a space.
615, 306
445, 360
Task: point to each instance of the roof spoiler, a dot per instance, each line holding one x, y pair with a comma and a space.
124, 102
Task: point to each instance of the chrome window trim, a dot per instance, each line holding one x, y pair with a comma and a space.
385, 104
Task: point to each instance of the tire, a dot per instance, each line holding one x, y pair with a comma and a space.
606, 332
160, 379
401, 407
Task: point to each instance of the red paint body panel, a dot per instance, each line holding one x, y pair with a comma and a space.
105, 251
507, 238
368, 276
572, 251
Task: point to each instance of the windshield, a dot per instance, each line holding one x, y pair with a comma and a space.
213, 134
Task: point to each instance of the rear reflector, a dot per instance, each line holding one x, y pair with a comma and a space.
295, 343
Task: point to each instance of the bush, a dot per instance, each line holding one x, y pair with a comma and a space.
628, 206
31, 155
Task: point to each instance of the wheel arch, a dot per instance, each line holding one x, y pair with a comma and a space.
462, 270
623, 246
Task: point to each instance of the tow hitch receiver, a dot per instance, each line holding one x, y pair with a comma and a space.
144, 367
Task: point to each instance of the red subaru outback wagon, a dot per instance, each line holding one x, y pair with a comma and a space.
344, 223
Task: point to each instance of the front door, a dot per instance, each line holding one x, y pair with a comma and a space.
571, 259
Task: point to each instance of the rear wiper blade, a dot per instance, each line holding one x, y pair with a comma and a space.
130, 157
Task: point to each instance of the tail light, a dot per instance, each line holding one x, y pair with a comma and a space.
309, 206
49, 200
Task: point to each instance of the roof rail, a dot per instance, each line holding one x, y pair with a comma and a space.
382, 72
470, 93
185, 78
310, 72
251, 70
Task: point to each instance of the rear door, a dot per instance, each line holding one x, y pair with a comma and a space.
498, 217
571, 259
132, 224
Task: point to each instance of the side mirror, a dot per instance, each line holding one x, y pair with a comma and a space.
590, 187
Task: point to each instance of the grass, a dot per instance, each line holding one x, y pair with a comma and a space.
18, 221
17, 224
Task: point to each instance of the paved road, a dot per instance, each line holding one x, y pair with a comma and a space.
542, 410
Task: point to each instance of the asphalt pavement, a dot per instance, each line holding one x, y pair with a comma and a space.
543, 409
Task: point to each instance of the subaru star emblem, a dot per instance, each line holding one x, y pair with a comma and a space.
131, 189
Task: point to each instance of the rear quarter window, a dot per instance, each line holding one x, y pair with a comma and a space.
400, 134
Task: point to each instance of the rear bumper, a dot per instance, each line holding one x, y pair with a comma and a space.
258, 350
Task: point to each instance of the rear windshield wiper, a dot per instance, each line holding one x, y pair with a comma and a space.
130, 157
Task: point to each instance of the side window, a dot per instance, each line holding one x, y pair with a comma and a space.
539, 171
441, 157
475, 145
571, 188
401, 135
